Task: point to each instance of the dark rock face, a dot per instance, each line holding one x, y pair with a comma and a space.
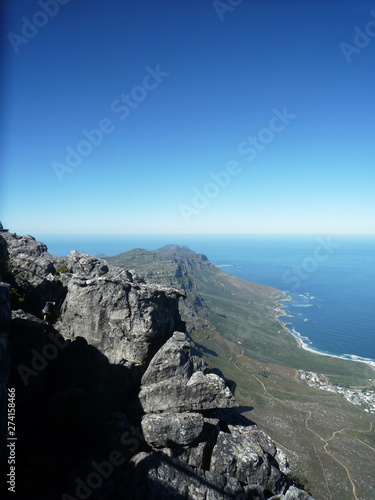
172, 433
5, 311
172, 479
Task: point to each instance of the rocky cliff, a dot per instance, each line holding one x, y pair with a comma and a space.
172, 265
110, 401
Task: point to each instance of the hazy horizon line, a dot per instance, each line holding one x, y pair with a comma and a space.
313, 233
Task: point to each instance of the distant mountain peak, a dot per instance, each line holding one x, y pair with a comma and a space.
174, 248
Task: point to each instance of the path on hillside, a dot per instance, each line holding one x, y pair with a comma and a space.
325, 441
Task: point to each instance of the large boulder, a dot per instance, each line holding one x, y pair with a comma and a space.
238, 455
125, 319
168, 430
198, 453
200, 392
240, 458
172, 360
254, 434
169, 383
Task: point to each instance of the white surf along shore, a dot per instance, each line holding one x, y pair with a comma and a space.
302, 340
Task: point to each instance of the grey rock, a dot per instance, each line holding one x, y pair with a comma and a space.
172, 360
240, 457
158, 476
29, 261
5, 311
31, 271
293, 493
200, 392
283, 461
277, 482
125, 320
169, 383
198, 454
168, 430
24, 316
245, 454
23, 247
4, 257
85, 265
199, 365
256, 435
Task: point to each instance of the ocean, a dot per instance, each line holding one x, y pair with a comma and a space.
330, 279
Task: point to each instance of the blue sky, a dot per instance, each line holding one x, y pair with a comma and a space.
178, 91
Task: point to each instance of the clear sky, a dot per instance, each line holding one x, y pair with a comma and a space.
194, 116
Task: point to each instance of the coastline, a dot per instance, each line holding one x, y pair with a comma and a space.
280, 312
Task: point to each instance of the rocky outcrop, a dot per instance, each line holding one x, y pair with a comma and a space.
124, 318
172, 265
31, 272
111, 308
170, 432
230, 451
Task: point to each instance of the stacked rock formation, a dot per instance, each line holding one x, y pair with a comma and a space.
197, 452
